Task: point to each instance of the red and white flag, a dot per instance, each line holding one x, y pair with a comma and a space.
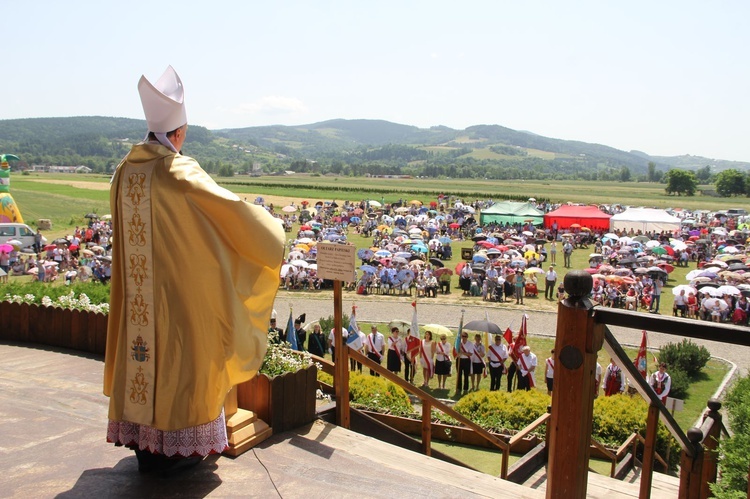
640, 360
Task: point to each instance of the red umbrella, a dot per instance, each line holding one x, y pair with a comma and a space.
306, 227
670, 250
460, 267
454, 225
442, 271
50, 247
486, 244
575, 226
666, 267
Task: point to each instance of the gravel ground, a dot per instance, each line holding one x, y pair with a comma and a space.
448, 313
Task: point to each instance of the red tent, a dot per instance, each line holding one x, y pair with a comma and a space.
586, 216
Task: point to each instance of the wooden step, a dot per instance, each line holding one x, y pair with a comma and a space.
240, 419
245, 445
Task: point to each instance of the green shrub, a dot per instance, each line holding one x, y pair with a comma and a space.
685, 356
326, 323
501, 411
375, 394
680, 383
735, 450
619, 416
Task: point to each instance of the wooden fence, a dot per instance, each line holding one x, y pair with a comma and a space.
54, 326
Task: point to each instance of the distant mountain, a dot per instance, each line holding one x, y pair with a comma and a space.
367, 146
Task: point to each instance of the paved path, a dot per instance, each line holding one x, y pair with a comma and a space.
448, 313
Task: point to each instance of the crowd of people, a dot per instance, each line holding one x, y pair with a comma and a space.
81, 256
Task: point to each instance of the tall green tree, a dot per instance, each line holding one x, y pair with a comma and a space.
652, 171
624, 174
703, 174
680, 182
730, 183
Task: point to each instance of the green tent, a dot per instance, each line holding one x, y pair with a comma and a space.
512, 212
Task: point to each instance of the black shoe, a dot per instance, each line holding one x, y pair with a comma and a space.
173, 466
147, 462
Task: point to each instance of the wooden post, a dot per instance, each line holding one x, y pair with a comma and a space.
691, 468
649, 451
426, 428
710, 446
341, 369
579, 339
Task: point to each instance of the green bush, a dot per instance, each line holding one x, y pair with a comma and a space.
501, 411
685, 356
735, 450
680, 383
326, 323
619, 416
375, 394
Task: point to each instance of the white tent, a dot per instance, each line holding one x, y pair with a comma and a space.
645, 220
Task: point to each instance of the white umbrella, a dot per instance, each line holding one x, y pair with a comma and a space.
730, 249
728, 290
688, 289
713, 302
300, 263
708, 290
285, 269
289, 209
612, 236
653, 244
626, 240
375, 204
304, 240
693, 274
296, 255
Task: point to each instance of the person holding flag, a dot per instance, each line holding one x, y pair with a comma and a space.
477, 362
496, 355
426, 355
463, 353
300, 332
526, 367
354, 340
411, 347
374, 347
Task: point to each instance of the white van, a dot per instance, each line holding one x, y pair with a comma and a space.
19, 232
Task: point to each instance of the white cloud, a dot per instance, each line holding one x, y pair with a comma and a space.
272, 105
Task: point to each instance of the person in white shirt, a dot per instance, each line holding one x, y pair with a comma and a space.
374, 347
442, 361
550, 278
395, 351
497, 353
661, 382
464, 353
526, 367
477, 362
549, 371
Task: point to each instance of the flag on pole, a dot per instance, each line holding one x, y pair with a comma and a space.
291, 334
508, 335
353, 339
412, 340
457, 343
640, 359
521, 340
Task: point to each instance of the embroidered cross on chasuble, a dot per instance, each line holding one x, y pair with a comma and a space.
139, 295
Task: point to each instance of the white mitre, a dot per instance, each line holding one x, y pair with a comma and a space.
163, 102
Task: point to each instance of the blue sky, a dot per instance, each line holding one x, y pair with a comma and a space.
666, 78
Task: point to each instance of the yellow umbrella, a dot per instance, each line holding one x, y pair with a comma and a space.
416, 201
437, 330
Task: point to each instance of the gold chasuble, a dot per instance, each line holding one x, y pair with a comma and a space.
194, 275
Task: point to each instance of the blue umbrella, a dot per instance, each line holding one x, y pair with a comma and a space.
355, 220
420, 248
365, 253
445, 240
368, 268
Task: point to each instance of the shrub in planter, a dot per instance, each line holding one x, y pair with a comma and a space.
685, 356
501, 411
735, 450
618, 416
375, 394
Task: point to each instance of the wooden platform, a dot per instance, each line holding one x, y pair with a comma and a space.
663, 486
53, 420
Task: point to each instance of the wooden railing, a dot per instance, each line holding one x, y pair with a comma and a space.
428, 402
582, 330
